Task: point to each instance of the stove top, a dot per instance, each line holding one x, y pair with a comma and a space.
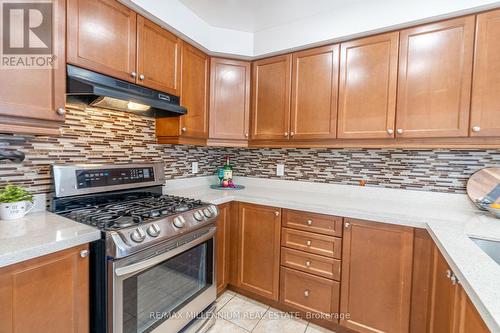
126, 210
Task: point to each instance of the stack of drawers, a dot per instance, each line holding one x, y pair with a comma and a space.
310, 261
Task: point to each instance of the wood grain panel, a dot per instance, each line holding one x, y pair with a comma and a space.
271, 80
312, 243
435, 79
311, 263
158, 57
222, 247
376, 276
312, 222
102, 37
485, 109
470, 320
315, 75
367, 89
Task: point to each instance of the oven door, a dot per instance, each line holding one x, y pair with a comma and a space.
164, 288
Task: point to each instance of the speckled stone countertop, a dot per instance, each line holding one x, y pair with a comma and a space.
40, 233
449, 218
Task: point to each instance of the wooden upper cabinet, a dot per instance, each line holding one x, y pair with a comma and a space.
435, 79
194, 92
29, 98
158, 57
485, 112
102, 37
314, 93
259, 249
376, 276
271, 98
367, 89
229, 100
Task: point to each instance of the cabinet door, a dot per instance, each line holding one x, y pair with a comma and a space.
194, 92
271, 98
259, 250
444, 296
29, 98
485, 112
470, 321
158, 57
102, 37
376, 270
435, 79
47, 294
229, 99
314, 93
367, 89
222, 247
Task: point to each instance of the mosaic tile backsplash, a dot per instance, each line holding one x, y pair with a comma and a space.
102, 136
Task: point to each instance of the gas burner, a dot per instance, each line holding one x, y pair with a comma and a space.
181, 208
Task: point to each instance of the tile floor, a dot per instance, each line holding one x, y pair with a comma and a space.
239, 314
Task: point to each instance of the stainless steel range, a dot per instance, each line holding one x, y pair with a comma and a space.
153, 270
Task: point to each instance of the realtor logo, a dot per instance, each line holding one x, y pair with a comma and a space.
27, 34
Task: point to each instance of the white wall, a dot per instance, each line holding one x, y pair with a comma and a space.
360, 17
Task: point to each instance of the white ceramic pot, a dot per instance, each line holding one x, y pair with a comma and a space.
14, 210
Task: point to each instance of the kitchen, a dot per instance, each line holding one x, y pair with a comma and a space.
249, 166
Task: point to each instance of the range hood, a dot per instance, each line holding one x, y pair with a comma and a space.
103, 91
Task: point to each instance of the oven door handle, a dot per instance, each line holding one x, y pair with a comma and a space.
139, 266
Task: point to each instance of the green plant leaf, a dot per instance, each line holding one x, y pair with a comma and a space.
14, 193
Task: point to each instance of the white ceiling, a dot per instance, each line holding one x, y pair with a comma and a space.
257, 15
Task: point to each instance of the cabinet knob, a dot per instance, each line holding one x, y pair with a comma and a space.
347, 225
61, 111
246, 135
133, 74
399, 131
476, 129
309, 222
286, 134
306, 293
184, 129
308, 243
390, 131
141, 77
84, 253
308, 263
277, 213
292, 133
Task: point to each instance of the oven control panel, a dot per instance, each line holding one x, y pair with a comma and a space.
110, 177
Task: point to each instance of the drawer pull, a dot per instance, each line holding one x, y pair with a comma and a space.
309, 222
276, 213
308, 243
306, 293
308, 263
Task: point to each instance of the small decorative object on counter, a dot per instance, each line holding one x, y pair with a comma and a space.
483, 189
15, 202
225, 175
228, 174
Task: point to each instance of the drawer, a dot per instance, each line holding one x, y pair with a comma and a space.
309, 293
312, 222
312, 243
311, 263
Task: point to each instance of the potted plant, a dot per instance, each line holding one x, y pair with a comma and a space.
15, 202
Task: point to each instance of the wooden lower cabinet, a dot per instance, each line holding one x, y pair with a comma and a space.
47, 294
222, 247
376, 276
259, 250
469, 319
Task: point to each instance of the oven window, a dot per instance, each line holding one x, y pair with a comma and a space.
153, 295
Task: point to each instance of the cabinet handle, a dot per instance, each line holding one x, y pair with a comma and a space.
292, 133
448, 274
308, 263
476, 129
133, 74
454, 279
184, 129
277, 213
246, 135
399, 131
390, 131
309, 222
347, 225
61, 111
286, 134
306, 293
308, 243
141, 77
84, 253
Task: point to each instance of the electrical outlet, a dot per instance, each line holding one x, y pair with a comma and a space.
280, 169
194, 167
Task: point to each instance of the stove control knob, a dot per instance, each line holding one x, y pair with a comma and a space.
138, 235
198, 215
214, 209
207, 212
153, 230
179, 222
